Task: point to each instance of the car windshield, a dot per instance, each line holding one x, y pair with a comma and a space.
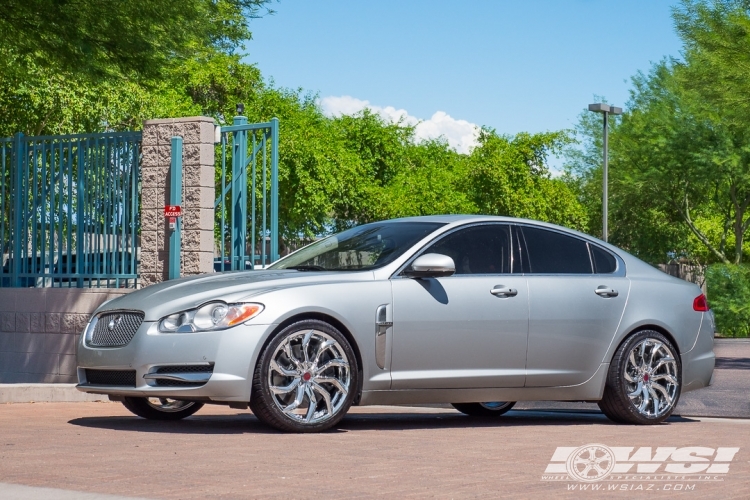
358, 249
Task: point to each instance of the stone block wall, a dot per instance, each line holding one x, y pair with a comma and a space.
198, 196
39, 329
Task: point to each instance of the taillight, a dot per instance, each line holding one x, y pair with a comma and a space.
700, 303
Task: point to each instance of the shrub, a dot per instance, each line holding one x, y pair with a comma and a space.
729, 297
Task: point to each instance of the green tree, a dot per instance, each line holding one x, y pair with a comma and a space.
98, 38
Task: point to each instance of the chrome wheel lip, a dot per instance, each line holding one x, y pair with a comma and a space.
651, 378
495, 405
309, 377
169, 405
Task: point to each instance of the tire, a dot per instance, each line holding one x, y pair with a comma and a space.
493, 409
644, 388
305, 379
161, 408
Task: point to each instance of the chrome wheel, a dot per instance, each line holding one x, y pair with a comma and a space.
309, 376
497, 405
651, 377
169, 405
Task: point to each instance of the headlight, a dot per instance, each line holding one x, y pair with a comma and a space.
209, 317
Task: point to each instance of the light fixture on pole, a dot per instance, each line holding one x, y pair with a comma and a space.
606, 110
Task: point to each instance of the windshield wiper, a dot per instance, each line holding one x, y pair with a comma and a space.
307, 268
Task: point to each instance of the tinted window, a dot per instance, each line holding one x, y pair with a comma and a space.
363, 247
604, 262
552, 252
477, 250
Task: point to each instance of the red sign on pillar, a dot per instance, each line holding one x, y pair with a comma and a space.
172, 211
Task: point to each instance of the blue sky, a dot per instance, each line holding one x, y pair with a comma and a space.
523, 65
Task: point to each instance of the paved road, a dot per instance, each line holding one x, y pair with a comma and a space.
729, 396
101, 449
374, 452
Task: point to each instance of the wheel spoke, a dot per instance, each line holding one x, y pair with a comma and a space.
664, 376
334, 382
288, 352
657, 346
287, 388
637, 391
326, 396
628, 377
306, 344
663, 392
297, 399
313, 404
321, 349
332, 363
665, 361
284, 371
645, 399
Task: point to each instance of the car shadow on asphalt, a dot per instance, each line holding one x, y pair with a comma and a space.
246, 423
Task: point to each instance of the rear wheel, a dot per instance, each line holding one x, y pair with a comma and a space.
644, 380
306, 378
490, 409
161, 408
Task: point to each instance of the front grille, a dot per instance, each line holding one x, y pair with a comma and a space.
122, 378
115, 328
186, 369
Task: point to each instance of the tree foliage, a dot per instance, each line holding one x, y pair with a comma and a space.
140, 38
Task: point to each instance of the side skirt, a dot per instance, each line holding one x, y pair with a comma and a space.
591, 390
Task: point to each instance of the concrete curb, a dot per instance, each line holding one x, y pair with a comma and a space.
45, 393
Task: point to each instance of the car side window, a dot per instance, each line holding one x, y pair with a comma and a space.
551, 252
481, 249
604, 262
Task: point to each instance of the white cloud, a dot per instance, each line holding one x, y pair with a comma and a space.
460, 134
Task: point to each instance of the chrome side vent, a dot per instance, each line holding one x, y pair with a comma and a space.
382, 324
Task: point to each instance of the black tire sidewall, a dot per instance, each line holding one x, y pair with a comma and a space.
142, 408
477, 410
262, 402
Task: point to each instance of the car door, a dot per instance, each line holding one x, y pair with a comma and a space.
466, 330
574, 311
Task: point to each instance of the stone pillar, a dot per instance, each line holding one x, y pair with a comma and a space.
198, 195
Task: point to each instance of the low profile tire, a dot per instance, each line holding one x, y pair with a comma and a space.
493, 409
306, 378
644, 380
161, 408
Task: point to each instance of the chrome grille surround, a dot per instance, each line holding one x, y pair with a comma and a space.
114, 328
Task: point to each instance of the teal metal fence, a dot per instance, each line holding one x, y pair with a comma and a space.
247, 160
70, 210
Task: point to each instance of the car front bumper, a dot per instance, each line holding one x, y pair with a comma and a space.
231, 353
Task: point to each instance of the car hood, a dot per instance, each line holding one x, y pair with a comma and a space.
168, 297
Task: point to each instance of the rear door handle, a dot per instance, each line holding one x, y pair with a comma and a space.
503, 291
605, 291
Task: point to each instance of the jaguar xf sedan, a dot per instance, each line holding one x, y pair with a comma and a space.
475, 311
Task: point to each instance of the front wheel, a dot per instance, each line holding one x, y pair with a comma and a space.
161, 408
305, 379
490, 409
644, 380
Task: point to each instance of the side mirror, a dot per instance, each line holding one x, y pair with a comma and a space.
431, 265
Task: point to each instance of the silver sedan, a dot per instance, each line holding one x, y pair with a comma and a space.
475, 311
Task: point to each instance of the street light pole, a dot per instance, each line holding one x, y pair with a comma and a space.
606, 110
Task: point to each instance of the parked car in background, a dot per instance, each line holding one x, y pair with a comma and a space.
475, 311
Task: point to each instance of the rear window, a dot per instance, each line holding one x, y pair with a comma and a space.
551, 252
604, 262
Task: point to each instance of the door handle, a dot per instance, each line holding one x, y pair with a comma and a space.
503, 291
605, 291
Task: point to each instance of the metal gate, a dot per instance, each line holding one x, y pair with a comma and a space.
247, 160
69, 210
